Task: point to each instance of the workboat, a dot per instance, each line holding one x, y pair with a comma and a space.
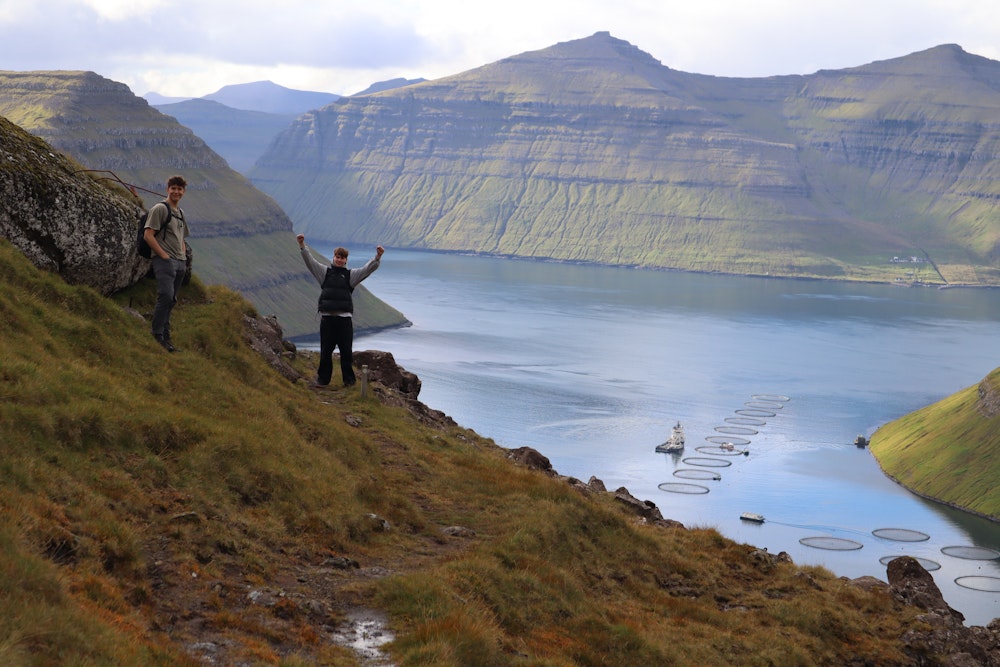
675, 442
752, 516
860, 441
730, 447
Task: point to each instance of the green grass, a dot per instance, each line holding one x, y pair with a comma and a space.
145, 495
948, 450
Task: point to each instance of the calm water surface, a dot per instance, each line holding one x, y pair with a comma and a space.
593, 365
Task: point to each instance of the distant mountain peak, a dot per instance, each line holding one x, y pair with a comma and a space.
599, 69
269, 97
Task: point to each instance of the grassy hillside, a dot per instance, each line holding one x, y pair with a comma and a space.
950, 450
164, 509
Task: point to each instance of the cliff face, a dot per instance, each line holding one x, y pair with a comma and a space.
592, 150
240, 236
105, 127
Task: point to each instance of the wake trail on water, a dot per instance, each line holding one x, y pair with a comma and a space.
822, 529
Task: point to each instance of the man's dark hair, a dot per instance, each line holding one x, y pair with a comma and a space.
340, 252
177, 180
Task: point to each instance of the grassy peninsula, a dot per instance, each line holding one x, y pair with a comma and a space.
949, 451
164, 509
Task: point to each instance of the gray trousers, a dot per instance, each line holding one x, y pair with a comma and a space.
169, 275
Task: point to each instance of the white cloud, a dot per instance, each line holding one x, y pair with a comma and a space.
184, 48
120, 10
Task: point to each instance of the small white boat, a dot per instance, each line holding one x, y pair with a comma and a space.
752, 516
675, 442
730, 447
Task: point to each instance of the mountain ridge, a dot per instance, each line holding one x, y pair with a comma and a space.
591, 150
269, 97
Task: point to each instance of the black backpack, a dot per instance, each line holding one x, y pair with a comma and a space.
140, 241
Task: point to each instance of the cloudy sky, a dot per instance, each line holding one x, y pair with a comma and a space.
190, 49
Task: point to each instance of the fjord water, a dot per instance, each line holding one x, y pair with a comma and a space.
593, 365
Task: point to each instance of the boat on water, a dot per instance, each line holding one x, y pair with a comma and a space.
730, 447
675, 442
752, 516
860, 441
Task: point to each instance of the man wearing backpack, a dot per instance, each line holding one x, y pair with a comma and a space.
336, 306
165, 232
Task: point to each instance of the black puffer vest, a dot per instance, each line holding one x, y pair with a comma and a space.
336, 294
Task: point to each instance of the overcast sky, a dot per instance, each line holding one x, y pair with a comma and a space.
193, 48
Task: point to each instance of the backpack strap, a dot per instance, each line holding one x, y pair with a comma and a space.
170, 214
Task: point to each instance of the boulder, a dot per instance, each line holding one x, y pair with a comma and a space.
62, 219
911, 583
531, 458
647, 509
382, 368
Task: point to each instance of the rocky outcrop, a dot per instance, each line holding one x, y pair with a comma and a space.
942, 639
394, 385
62, 220
382, 368
264, 336
989, 398
531, 458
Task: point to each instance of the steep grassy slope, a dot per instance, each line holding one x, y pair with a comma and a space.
241, 237
949, 451
170, 508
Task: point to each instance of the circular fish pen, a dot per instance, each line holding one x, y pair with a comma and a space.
708, 463
764, 405
755, 413
778, 398
694, 473
745, 421
721, 440
831, 543
681, 487
971, 553
901, 535
926, 563
980, 583
736, 430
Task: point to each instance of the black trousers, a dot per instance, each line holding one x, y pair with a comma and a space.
335, 331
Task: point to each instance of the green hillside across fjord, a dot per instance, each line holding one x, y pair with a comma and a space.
949, 451
592, 151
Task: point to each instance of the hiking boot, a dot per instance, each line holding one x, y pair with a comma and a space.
165, 343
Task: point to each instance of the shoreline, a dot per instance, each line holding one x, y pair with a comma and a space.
939, 501
575, 262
